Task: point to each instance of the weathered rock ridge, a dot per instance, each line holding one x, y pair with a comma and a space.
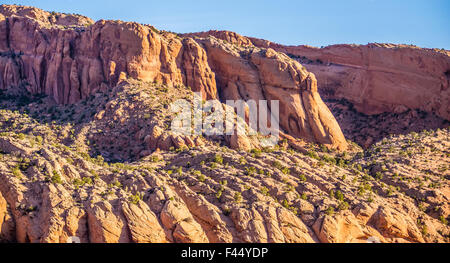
376, 78
71, 62
106, 167
51, 192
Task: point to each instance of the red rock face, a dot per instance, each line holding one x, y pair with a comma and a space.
380, 77
383, 78
70, 62
269, 75
376, 78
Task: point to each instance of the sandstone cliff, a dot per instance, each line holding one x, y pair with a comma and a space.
376, 78
72, 62
105, 167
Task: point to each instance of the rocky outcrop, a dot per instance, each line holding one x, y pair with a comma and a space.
160, 139
379, 78
55, 189
376, 78
107, 169
7, 226
70, 63
344, 228
227, 36
263, 74
46, 18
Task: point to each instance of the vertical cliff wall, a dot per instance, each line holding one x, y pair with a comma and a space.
376, 78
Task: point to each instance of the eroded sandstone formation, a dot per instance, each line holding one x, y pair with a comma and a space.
379, 78
50, 192
104, 166
71, 63
376, 78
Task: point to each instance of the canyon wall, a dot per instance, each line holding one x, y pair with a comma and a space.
72, 61
59, 181
376, 78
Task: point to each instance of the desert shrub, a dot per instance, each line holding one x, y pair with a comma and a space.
134, 199
265, 191
313, 155
20, 136
256, 153
219, 193
343, 206
339, 196
16, 172
359, 167
77, 183
341, 163
87, 180
24, 163
237, 197
379, 175
289, 188
285, 203
56, 178
329, 211
250, 171
332, 193
201, 178
267, 150
39, 140
302, 177
116, 183
286, 170
218, 159
277, 165
329, 159
443, 220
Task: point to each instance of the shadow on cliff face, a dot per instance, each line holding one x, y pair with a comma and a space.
107, 126
45, 110
367, 130
71, 121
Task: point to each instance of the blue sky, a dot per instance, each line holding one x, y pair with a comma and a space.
425, 23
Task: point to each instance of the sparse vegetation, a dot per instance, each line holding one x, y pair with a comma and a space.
114, 148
